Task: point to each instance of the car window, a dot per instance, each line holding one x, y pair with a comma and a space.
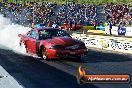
33, 34
44, 34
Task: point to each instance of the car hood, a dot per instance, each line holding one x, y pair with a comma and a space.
62, 41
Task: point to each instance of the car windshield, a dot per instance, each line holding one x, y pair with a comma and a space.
50, 33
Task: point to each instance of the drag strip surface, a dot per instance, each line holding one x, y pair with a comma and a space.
32, 73
36, 73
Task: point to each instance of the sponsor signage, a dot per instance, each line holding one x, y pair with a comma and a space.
128, 31
122, 31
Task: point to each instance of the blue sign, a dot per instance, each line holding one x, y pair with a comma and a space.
100, 27
39, 26
122, 31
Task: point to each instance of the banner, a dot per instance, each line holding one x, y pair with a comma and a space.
89, 27
114, 30
122, 31
128, 31
100, 27
108, 43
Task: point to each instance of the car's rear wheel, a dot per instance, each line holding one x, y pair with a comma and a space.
44, 54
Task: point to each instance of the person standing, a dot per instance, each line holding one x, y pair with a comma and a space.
71, 24
110, 27
75, 24
94, 24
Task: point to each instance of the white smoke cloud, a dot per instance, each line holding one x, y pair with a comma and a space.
9, 34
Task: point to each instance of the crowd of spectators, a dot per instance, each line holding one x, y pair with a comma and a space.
120, 14
25, 14
71, 13
82, 14
48, 12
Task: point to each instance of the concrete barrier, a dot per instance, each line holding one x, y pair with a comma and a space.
125, 31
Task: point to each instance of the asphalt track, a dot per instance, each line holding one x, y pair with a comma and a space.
33, 72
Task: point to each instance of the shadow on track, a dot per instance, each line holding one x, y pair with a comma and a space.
96, 56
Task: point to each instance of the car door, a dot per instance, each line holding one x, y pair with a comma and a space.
32, 39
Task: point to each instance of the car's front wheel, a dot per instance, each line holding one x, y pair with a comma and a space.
44, 54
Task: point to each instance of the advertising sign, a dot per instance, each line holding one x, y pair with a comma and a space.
122, 31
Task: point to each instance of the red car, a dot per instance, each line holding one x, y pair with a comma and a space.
50, 43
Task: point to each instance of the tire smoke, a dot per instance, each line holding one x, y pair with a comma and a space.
9, 34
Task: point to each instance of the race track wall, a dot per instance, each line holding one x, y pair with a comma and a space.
123, 31
108, 43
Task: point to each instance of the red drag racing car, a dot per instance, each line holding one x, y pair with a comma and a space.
51, 43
